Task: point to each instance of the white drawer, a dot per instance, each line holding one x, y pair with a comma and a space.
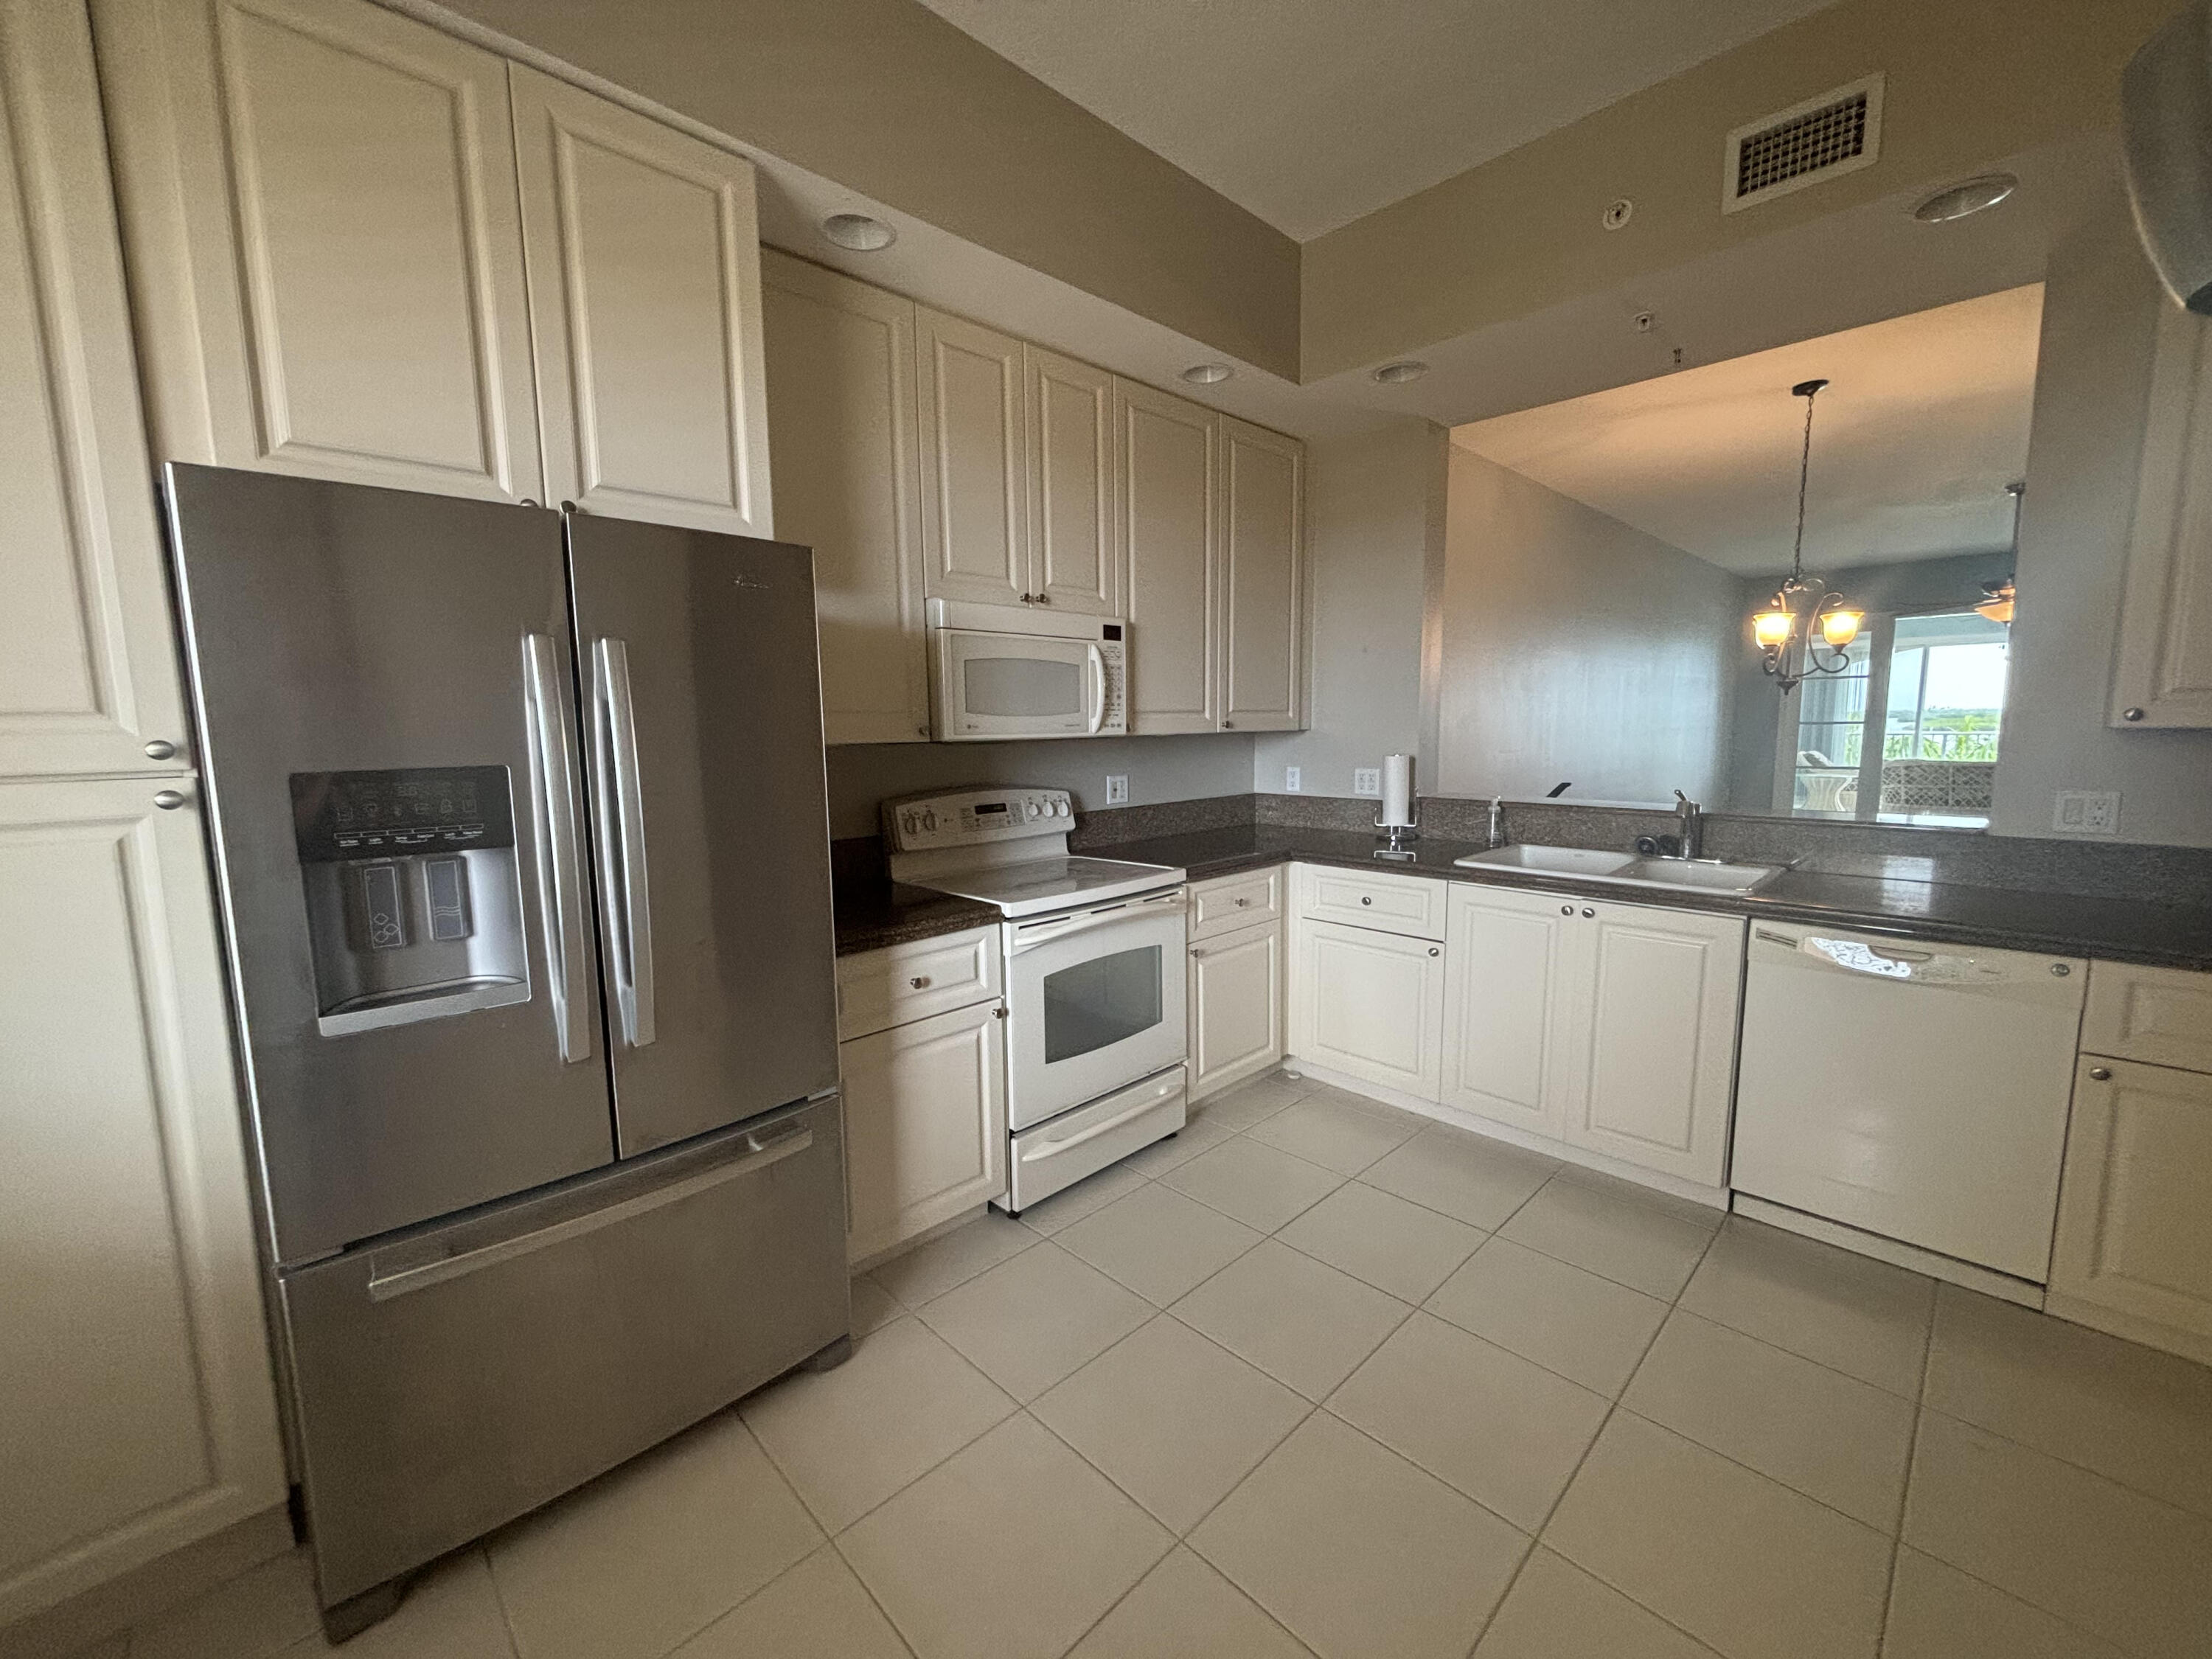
1229, 903
2162, 1015
1411, 905
878, 990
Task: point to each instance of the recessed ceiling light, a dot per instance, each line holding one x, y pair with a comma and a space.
1207, 373
1399, 373
1961, 200
858, 231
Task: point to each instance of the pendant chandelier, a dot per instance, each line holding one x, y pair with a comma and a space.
1805, 617
1998, 597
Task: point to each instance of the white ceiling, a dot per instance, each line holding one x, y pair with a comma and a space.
1312, 112
1924, 423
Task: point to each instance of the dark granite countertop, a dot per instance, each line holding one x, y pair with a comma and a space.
2067, 924
873, 912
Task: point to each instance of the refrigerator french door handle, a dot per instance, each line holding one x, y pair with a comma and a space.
621, 848
1097, 688
560, 871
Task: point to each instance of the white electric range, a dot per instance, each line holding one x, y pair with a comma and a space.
1095, 964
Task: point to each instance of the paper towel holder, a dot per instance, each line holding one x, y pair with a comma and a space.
1400, 835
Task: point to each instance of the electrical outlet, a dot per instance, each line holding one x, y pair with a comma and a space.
1117, 788
1292, 783
1366, 779
2086, 813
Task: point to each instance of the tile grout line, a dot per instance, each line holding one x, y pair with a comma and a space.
1613, 1408
1905, 1489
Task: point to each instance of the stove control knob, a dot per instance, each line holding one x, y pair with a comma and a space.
929, 822
1030, 809
1060, 807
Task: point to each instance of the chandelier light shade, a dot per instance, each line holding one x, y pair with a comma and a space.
1806, 628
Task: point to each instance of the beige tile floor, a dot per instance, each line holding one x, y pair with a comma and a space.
1320, 1378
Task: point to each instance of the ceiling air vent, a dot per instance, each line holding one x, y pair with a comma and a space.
1838, 132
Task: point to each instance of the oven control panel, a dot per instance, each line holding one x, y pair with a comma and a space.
975, 817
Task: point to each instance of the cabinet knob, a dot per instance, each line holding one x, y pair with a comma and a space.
1228, 725
1242, 903
999, 1012
161, 748
168, 800
1566, 909
1044, 599
1367, 901
920, 981
2060, 970
2131, 713
1589, 912
2101, 1073
1434, 952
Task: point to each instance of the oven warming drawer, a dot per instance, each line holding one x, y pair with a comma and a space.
1059, 1153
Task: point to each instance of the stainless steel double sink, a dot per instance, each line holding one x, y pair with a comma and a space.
1629, 869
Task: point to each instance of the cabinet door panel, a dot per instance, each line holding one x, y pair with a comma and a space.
2163, 676
88, 663
2162, 1015
644, 259
1071, 499
139, 1413
1657, 1031
975, 479
1262, 576
2134, 1233
1506, 1005
1236, 1008
1372, 1005
925, 1125
325, 242
840, 403
1168, 468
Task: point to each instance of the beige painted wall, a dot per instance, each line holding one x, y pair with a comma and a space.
1374, 518
2100, 316
1968, 81
887, 98
1577, 648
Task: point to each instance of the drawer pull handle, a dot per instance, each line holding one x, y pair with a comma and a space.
920, 981
2101, 1073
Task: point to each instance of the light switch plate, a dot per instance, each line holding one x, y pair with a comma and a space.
1292, 780
1117, 788
2086, 813
1366, 779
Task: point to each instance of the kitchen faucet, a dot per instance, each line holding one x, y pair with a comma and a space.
1692, 817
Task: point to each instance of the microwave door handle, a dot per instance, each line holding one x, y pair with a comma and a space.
623, 854
560, 872
1097, 688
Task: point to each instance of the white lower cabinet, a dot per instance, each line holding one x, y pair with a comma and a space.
924, 1105
1370, 1005
1236, 1007
1609, 1027
136, 1409
2134, 1248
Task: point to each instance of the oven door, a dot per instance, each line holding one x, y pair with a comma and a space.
1095, 1000
1015, 685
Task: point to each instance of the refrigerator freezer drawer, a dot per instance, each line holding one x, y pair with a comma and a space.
453, 1379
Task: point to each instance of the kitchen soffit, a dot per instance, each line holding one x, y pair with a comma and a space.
1312, 113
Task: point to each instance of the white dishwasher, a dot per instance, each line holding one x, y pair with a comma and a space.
1916, 1092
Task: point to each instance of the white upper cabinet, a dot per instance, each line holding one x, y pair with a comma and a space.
1069, 407
1262, 579
89, 676
2163, 676
840, 403
1168, 467
1654, 1068
325, 242
974, 482
136, 1410
645, 302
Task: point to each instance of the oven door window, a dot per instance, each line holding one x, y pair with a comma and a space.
1101, 1001
1021, 687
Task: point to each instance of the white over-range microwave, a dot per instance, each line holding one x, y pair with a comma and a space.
997, 673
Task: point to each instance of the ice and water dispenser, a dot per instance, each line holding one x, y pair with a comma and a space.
414, 900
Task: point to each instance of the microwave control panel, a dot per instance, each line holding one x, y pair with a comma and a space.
975, 817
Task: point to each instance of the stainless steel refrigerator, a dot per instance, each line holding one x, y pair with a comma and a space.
521, 835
